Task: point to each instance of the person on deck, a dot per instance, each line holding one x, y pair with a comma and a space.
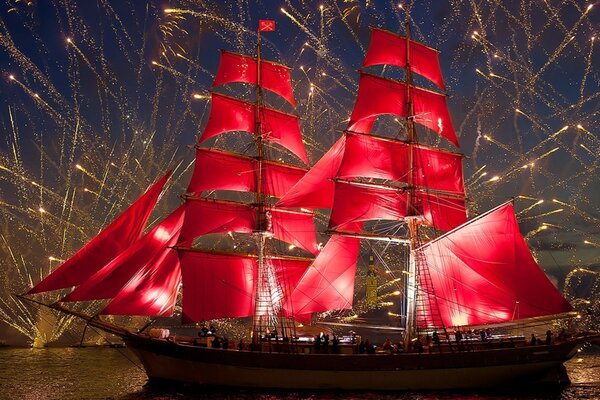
418, 346
335, 345
387, 345
533, 339
548, 337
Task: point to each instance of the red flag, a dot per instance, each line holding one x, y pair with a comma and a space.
266, 25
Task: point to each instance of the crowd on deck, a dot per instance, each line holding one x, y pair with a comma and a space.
429, 343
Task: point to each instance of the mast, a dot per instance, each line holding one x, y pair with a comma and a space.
412, 215
258, 325
365, 177
265, 314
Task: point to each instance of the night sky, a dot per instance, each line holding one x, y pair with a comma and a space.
98, 98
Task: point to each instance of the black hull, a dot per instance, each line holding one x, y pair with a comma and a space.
169, 361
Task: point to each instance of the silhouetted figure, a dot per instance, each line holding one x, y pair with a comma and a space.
335, 345
216, 343
458, 336
362, 347
240, 344
562, 336
369, 347
225, 343
387, 345
548, 337
418, 346
482, 335
436, 338
318, 344
533, 339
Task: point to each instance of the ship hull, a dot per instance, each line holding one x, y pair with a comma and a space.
165, 360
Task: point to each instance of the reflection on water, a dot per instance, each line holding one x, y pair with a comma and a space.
105, 373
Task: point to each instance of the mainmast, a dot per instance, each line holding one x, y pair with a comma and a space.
412, 217
365, 177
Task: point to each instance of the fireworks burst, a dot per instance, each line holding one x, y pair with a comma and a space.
102, 100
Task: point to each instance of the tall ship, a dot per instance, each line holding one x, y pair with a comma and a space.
243, 245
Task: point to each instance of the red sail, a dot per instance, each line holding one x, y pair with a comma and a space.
316, 188
294, 227
279, 178
218, 170
240, 68
355, 203
438, 169
376, 157
389, 48
228, 114
152, 291
145, 254
378, 96
483, 272
443, 212
217, 286
105, 246
329, 283
284, 129
286, 275
204, 216
431, 111
372, 157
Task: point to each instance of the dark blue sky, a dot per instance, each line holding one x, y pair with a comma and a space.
101, 100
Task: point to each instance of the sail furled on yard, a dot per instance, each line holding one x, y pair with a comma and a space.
483, 272
228, 114
387, 48
123, 232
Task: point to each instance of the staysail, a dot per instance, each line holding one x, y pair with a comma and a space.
108, 244
483, 272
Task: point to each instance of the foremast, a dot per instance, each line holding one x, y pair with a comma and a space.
264, 313
253, 281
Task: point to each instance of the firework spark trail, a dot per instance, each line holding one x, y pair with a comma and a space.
137, 123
